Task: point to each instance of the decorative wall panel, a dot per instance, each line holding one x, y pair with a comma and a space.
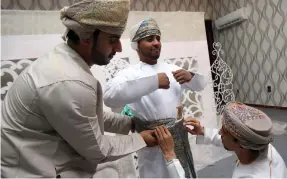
10, 70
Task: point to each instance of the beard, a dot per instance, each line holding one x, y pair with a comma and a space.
153, 54
100, 58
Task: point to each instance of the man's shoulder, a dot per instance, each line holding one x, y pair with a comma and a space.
133, 68
46, 71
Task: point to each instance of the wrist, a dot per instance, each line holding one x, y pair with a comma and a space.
202, 131
170, 156
191, 75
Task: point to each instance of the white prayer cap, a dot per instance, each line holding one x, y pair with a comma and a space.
85, 16
144, 28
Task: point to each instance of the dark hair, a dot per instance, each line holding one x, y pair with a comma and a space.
95, 35
75, 39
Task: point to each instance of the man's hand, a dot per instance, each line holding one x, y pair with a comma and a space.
163, 81
149, 137
182, 76
165, 141
197, 128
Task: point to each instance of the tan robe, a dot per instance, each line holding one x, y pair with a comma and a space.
53, 121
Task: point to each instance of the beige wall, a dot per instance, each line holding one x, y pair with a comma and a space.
136, 5
175, 26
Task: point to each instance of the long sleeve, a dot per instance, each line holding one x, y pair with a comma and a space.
211, 136
117, 123
197, 82
70, 108
123, 89
175, 169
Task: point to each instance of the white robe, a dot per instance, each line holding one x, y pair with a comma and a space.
259, 168
52, 122
174, 169
137, 87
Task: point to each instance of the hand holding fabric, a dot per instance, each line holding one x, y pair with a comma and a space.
182, 76
165, 141
197, 128
163, 81
149, 138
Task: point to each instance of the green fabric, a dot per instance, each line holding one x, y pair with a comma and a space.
127, 111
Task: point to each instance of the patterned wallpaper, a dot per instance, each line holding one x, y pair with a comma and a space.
35, 4
256, 49
136, 5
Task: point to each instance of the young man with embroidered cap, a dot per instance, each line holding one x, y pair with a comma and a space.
52, 116
152, 91
247, 132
